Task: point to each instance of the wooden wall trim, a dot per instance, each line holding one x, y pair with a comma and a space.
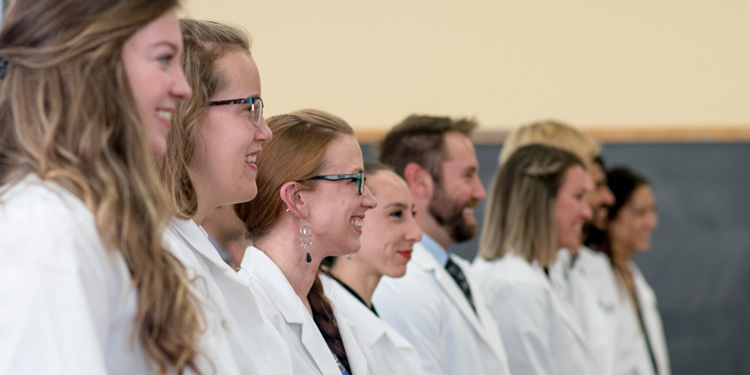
624, 135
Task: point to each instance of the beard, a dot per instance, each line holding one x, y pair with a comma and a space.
449, 214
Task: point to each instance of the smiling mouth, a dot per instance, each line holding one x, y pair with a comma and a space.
165, 115
357, 223
251, 158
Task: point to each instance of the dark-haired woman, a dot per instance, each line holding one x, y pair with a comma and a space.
632, 220
310, 205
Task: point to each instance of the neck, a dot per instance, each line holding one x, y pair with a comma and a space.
282, 246
358, 276
434, 230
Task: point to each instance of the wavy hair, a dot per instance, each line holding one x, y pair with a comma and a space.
67, 113
520, 215
205, 42
295, 153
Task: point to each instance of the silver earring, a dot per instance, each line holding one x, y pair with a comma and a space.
305, 240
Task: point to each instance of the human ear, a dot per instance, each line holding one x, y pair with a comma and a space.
292, 195
419, 180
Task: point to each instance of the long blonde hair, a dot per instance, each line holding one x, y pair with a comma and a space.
520, 214
205, 43
67, 113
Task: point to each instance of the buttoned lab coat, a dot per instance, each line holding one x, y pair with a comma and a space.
540, 332
428, 308
587, 284
634, 350
238, 338
67, 305
386, 352
309, 352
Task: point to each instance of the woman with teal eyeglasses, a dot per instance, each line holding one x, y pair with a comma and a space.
311, 203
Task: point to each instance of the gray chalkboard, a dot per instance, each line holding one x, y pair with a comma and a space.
700, 257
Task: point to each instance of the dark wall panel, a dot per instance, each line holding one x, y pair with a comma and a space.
700, 256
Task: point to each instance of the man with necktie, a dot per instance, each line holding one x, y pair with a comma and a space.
434, 305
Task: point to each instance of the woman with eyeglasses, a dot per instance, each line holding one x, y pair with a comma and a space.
216, 137
86, 284
311, 204
389, 231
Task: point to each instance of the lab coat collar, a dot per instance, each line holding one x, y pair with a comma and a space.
197, 238
371, 327
264, 271
423, 259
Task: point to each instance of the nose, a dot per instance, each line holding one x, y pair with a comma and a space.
479, 192
586, 212
413, 232
607, 197
263, 133
181, 89
653, 220
368, 200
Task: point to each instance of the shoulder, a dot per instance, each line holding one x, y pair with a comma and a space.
47, 225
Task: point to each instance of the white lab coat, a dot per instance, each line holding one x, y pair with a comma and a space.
634, 350
427, 307
66, 303
238, 338
278, 301
587, 284
386, 352
540, 332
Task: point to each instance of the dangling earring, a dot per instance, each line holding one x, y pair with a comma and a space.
305, 240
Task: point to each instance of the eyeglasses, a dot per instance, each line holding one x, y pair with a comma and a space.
360, 177
256, 106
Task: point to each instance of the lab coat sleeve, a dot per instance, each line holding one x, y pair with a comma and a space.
415, 314
522, 313
53, 295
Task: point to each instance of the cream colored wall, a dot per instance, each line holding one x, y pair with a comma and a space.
596, 64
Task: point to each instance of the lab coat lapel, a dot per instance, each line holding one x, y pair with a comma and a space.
259, 264
424, 259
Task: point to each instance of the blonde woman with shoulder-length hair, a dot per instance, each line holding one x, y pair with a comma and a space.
87, 287
536, 206
216, 135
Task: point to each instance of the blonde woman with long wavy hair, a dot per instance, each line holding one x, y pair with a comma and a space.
87, 287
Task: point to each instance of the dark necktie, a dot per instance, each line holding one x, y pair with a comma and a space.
460, 279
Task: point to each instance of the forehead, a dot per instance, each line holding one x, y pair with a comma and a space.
388, 188
162, 30
343, 156
460, 150
575, 177
642, 196
241, 78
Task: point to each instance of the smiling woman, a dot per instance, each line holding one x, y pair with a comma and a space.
93, 290
210, 162
389, 232
298, 220
536, 206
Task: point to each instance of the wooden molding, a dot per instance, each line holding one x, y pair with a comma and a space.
624, 135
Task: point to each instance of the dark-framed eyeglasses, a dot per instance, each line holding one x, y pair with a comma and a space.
359, 177
256, 106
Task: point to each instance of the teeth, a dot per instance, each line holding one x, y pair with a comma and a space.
357, 223
167, 115
251, 158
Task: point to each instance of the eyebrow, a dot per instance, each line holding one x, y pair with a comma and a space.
397, 204
171, 45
